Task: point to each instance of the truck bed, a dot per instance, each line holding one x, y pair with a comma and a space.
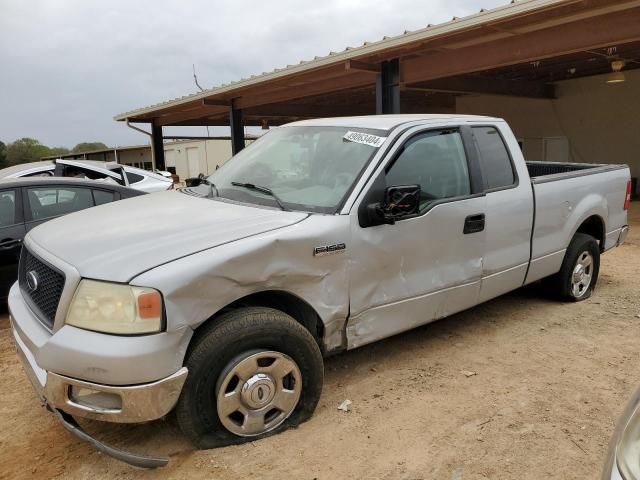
585, 190
541, 172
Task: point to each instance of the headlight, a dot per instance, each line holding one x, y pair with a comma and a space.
628, 447
115, 308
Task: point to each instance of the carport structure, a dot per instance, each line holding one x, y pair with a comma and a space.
519, 51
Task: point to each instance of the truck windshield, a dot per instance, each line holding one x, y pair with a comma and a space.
307, 168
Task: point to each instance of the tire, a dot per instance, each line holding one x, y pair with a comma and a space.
582, 248
242, 337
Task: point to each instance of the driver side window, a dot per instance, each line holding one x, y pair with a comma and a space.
436, 161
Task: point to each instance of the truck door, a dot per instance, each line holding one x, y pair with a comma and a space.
509, 212
428, 266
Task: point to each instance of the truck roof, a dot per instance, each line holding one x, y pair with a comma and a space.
388, 122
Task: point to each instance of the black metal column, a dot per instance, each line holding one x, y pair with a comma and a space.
237, 129
157, 147
388, 87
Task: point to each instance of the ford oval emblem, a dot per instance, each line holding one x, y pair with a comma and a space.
32, 280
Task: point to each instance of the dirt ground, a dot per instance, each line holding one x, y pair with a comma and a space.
550, 381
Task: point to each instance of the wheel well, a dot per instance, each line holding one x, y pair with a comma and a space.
593, 226
286, 302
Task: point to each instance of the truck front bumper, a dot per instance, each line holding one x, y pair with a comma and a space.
70, 351
122, 404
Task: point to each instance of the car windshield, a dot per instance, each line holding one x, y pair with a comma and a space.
307, 168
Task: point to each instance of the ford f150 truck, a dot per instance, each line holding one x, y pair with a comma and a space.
220, 300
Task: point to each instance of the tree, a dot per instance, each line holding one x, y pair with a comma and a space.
3, 155
89, 146
57, 151
27, 150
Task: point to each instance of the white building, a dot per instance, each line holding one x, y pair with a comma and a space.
189, 158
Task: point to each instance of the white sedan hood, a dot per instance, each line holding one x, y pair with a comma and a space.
120, 240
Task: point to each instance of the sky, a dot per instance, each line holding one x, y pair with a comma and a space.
68, 66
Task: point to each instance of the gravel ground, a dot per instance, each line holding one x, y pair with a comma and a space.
550, 380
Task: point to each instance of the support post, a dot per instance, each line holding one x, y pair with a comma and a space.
388, 87
157, 147
237, 129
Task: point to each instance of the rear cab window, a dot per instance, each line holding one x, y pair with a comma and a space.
495, 161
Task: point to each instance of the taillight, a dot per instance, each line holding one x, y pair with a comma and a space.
627, 198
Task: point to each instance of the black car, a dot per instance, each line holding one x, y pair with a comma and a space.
27, 202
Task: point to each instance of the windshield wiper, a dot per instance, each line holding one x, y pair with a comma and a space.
259, 188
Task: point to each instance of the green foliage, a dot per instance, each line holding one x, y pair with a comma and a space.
3, 155
88, 147
57, 151
26, 150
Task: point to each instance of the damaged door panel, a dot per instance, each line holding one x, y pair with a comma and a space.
427, 266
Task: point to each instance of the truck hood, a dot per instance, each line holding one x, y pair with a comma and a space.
120, 240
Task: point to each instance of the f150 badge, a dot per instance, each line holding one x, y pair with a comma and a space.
328, 249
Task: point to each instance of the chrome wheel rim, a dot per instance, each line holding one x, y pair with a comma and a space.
582, 275
258, 392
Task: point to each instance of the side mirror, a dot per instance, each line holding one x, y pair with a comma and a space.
399, 201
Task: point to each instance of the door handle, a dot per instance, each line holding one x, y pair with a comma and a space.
473, 224
10, 243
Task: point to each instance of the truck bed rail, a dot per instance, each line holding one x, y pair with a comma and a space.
541, 172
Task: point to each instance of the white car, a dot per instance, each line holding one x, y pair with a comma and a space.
136, 178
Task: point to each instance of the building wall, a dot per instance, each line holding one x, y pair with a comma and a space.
177, 155
600, 121
192, 157
140, 157
106, 156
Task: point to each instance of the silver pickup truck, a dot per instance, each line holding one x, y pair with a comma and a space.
220, 300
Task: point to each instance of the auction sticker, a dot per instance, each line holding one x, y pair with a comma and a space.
364, 138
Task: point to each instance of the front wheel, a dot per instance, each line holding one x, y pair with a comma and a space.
252, 372
578, 275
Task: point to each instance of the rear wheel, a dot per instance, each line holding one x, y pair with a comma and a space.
578, 275
252, 372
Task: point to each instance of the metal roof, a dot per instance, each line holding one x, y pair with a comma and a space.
94, 152
515, 8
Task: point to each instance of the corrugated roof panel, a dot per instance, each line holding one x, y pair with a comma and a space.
461, 23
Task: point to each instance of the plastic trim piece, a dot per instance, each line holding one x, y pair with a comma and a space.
141, 461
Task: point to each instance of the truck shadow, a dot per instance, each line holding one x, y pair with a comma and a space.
163, 438
467, 325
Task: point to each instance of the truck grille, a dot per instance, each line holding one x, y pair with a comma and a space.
43, 299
